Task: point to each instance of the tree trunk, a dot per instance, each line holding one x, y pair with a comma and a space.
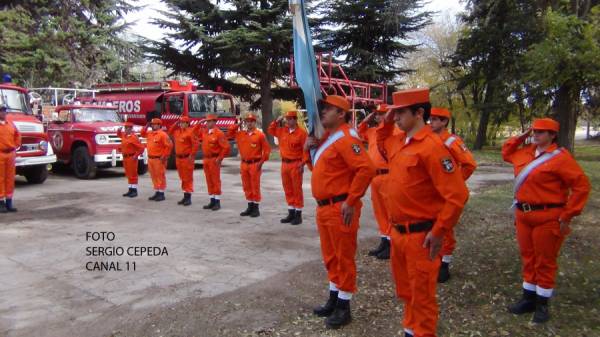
266, 104
566, 114
484, 118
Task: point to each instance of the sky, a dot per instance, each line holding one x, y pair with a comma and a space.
141, 20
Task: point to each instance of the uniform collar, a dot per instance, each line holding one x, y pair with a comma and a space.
421, 134
550, 148
445, 133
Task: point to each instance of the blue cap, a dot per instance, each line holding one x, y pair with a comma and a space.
6, 78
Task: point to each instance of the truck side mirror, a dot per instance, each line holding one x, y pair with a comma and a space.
237, 109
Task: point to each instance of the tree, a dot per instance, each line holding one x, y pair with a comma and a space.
211, 42
369, 36
51, 42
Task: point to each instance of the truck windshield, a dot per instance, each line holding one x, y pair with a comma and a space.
200, 105
96, 115
14, 100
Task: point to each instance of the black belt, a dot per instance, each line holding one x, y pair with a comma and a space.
286, 160
382, 171
333, 200
208, 156
418, 227
183, 155
251, 161
154, 157
525, 207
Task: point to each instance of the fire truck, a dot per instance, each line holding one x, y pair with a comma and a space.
34, 155
85, 138
139, 102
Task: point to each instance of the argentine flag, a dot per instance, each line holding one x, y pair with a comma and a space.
305, 66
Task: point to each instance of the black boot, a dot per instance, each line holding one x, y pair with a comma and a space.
384, 254
289, 217
379, 248
187, 199
154, 196
248, 210
210, 204
255, 211
329, 307
297, 217
9, 205
444, 273
340, 316
133, 193
406, 334
128, 193
217, 205
3, 207
526, 303
160, 196
541, 314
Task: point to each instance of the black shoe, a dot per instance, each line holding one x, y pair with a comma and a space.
217, 205
160, 196
255, 211
541, 314
379, 248
384, 254
187, 199
341, 315
154, 196
444, 273
406, 334
3, 207
133, 193
297, 218
210, 205
9, 206
289, 217
248, 210
128, 193
329, 307
525, 305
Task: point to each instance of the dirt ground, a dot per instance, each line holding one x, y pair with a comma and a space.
231, 276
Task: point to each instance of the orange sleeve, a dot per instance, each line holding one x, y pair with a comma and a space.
360, 163
363, 127
511, 146
273, 129
232, 131
266, 148
579, 184
225, 147
172, 128
464, 157
138, 145
195, 142
144, 132
167, 144
17, 138
450, 185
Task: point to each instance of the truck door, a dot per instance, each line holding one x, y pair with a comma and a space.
59, 132
175, 104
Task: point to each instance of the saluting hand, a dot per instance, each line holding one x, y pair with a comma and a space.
311, 143
389, 116
347, 214
434, 243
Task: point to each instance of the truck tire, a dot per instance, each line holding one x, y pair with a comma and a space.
36, 174
142, 168
83, 164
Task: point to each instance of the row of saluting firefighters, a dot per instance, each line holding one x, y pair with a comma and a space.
417, 173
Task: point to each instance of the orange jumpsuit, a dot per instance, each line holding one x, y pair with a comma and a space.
10, 141
340, 167
159, 146
291, 148
215, 147
424, 184
131, 148
377, 198
254, 150
465, 161
186, 146
559, 181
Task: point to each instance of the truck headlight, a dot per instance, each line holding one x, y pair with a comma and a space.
101, 139
43, 145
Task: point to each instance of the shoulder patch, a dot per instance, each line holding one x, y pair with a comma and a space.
356, 148
447, 164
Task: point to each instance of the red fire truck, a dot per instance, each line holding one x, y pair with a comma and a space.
139, 102
34, 155
85, 137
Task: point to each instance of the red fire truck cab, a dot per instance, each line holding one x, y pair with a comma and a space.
34, 155
85, 137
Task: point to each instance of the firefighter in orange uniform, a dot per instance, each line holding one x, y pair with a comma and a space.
341, 173
440, 118
291, 147
10, 141
159, 149
369, 135
186, 146
131, 148
214, 148
550, 189
254, 151
425, 195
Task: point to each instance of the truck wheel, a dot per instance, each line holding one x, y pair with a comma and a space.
83, 164
36, 174
142, 168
